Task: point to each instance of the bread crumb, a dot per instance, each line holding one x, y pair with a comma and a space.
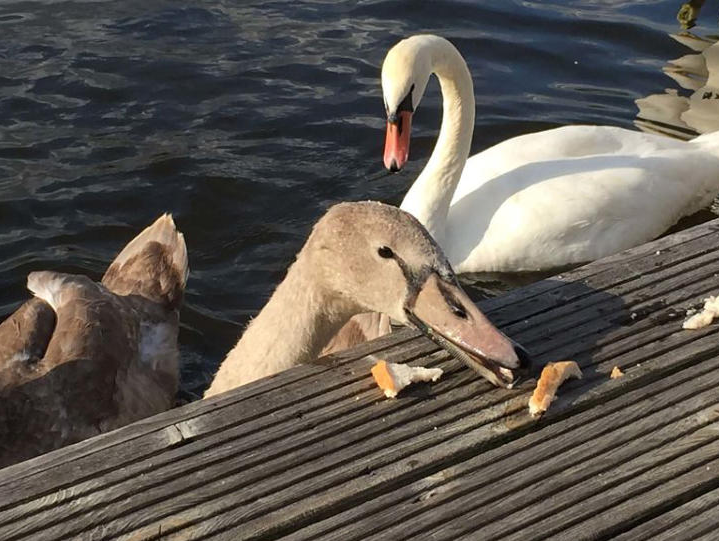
553, 375
697, 320
616, 373
393, 377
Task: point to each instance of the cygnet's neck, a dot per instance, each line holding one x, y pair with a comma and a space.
292, 328
429, 197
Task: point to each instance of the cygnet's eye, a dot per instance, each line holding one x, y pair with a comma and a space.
457, 309
385, 252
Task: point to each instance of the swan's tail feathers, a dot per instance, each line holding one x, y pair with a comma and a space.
24, 337
153, 265
57, 289
47, 286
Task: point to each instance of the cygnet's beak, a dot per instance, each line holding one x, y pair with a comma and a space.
444, 312
396, 146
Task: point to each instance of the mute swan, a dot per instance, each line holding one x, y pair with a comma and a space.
84, 357
539, 201
366, 257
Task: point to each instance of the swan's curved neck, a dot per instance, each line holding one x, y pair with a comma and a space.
429, 197
292, 328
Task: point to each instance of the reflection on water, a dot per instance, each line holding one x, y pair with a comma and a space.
693, 108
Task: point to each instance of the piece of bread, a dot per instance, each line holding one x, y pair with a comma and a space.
705, 317
553, 375
698, 320
393, 377
616, 373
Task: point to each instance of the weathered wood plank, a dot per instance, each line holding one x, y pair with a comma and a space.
375, 472
667, 466
259, 419
634, 262
675, 522
612, 310
709, 536
666, 492
582, 295
253, 469
702, 520
521, 518
72, 453
632, 420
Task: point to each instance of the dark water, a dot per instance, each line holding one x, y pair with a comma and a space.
247, 119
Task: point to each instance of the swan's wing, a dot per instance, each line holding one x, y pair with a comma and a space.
92, 324
124, 349
153, 265
563, 143
24, 337
561, 212
358, 329
70, 394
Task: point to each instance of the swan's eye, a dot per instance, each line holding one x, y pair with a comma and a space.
385, 252
455, 306
458, 311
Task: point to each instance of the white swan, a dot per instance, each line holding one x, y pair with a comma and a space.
538, 201
360, 257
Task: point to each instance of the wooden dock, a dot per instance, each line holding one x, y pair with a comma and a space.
317, 453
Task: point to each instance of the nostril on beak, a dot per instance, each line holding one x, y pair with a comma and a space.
393, 167
525, 360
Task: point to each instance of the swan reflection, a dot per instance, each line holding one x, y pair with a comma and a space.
693, 108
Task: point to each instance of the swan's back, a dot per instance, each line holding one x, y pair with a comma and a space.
575, 194
83, 358
566, 142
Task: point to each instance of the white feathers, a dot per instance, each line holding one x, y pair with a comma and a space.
47, 286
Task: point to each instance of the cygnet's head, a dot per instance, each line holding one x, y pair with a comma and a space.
373, 257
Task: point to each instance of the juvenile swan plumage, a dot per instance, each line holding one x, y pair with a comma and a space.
364, 257
82, 358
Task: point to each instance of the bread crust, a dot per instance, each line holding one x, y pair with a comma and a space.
393, 377
553, 375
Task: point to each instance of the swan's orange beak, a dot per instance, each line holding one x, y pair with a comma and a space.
396, 146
